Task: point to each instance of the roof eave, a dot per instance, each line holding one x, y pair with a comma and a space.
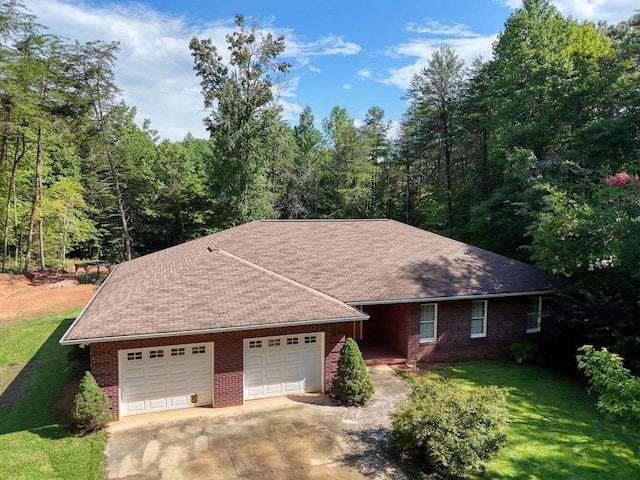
482, 296
87, 341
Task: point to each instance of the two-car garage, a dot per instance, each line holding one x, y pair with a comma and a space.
171, 377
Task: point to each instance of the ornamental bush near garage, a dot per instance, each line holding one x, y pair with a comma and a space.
352, 384
90, 410
448, 429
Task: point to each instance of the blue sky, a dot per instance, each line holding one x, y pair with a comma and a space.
355, 54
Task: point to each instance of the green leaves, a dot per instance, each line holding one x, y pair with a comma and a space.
450, 428
618, 391
352, 384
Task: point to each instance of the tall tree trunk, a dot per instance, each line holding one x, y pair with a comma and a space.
37, 186
19, 153
126, 237
40, 201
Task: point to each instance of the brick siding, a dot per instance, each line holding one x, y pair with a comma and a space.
506, 323
228, 362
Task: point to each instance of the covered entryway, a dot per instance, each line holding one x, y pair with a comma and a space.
283, 365
164, 378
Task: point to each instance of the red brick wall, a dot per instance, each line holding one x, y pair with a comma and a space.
506, 323
227, 381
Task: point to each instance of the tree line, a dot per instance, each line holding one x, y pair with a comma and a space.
532, 153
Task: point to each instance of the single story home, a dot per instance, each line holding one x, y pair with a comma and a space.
263, 309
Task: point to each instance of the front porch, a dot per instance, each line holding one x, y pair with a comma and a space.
383, 339
375, 354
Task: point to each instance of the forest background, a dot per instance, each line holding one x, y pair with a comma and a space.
533, 153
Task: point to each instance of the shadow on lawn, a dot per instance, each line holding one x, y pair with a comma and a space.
561, 433
28, 403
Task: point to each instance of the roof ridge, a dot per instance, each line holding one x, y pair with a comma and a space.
328, 220
271, 273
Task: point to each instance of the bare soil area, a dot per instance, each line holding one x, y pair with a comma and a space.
23, 297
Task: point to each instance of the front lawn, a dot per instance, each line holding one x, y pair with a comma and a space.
33, 442
555, 430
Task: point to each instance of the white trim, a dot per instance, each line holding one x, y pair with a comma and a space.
435, 323
484, 319
118, 338
484, 296
538, 316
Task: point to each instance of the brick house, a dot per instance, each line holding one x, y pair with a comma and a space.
262, 310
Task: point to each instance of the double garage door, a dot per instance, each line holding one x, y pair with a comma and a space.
181, 376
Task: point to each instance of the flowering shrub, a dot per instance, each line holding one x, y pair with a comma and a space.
618, 180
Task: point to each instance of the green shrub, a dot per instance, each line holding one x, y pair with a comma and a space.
448, 429
618, 391
352, 385
523, 352
90, 410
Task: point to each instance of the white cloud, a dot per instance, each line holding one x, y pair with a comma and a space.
314, 69
155, 69
330, 45
364, 74
434, 27
422, 50
611, 11
347, 86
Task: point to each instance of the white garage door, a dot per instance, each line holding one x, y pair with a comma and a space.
284, 365
165, 378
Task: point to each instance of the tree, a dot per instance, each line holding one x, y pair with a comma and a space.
240, 97
95, 83
90, 409
352, 384
347, 180
618, 391
434, 96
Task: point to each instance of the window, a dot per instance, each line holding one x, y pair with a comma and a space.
156, 353
292, 341
198, 350
255, 343
134, 355
428, 322
310, 339
479, 319
274, 342
534, 316
178, 352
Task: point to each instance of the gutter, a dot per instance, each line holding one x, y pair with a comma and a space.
88, 341
449, 299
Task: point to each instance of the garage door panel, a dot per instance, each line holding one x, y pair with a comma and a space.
282, 365
163, 378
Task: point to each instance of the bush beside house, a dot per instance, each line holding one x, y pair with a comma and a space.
352, 384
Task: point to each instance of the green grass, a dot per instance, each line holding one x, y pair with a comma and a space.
33, 442
555, 431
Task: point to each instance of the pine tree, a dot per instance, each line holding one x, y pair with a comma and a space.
353, 384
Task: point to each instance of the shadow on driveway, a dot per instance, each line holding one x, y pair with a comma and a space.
299, 437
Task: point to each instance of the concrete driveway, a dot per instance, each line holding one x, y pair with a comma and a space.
298, 437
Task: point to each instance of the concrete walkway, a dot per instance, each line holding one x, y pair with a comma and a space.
295, 437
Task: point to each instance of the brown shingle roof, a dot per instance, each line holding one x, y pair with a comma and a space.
276, 272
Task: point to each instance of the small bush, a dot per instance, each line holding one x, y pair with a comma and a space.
352, 385
448, 429
90, 410
618, 391
523, 352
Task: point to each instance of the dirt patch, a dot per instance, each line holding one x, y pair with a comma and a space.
22, 297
